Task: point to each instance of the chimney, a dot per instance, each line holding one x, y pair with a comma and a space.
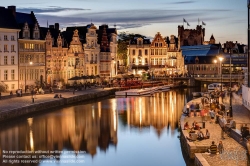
13, 9
57, 26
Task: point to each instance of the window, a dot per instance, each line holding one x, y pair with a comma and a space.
152, 52
12, 48
13, 86
26, 34
146, 60
5, 37
5, 75
31, 74
140, 53
12, 60
36, 73
12, 38
12, 74
5, 48
133, 52
146, 52
36, 35
5, 60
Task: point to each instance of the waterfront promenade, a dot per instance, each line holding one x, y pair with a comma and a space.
233, 149
14, 106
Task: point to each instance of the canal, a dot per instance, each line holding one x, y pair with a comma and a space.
110, 132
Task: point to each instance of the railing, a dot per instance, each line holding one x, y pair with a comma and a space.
224, 76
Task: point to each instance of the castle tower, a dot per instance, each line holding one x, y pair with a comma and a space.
189, 37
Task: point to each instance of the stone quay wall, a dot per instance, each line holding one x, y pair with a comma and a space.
190, 147
55, 103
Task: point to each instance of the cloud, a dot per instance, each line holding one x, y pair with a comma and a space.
50, 9
132, 18
182, 2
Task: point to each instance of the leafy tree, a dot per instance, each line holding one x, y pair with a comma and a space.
3, 88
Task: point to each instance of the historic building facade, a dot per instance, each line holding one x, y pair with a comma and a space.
9, 31
31, 57
56, 57
139, 55
162, 56
92, 52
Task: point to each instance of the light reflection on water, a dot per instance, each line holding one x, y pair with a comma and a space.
115, 132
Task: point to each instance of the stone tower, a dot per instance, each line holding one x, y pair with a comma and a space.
190, 37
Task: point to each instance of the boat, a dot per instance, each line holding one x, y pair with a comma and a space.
137, 92
216, 86
164, 87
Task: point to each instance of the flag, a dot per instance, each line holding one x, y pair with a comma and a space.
184, 20
188, 24
203, 23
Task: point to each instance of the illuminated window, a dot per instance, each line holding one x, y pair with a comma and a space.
5, 75
12, 60
5, 60
12, 74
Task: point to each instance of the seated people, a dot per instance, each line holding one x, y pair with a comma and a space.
200, 135
213, 148
207, 134
193, 124
244, 132
192, 135
186, 126
197, 126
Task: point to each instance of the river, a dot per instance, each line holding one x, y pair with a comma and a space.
108, 132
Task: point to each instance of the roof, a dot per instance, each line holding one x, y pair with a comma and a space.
22, 18
134, 41
8, 21
200, 50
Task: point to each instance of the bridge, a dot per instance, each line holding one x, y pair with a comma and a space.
197, 80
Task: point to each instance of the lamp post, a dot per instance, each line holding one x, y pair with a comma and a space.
220, 58
25, 78
230, 91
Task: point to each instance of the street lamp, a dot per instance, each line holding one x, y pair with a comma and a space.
220, 58
26, 75
230, 91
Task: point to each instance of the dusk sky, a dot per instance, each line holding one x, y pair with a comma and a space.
225, 19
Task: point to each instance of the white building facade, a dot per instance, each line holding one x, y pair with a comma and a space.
9, 58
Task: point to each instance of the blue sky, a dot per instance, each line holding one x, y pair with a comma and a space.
225, 19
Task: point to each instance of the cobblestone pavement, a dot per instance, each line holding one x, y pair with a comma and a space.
234, 152
17, 102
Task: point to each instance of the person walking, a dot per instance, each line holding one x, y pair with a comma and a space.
220, 147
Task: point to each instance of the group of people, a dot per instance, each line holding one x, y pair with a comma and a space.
216, 148
193, 135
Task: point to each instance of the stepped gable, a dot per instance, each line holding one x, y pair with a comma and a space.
109, 31
8, 21
104, 40
82, 30
30, 19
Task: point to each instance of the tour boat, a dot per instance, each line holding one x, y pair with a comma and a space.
137, 92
